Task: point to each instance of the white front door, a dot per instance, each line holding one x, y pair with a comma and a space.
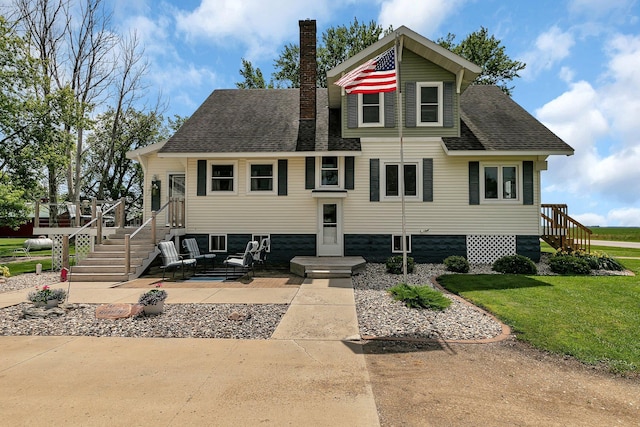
330, 227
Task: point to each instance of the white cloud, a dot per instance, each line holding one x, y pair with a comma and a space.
591, 219
424, 17
599, 7
260, 25
550, 48
601, 123
627, 217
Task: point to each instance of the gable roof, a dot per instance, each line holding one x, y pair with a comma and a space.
258, 121
493, 122
464, 70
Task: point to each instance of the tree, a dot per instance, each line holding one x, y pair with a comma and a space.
253, 78
13, 208
487, 52
338, 44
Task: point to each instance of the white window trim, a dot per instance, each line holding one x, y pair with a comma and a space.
340, 185
274, 177
361, 115
500, 198
258, 238
393, 238
226, 243
440, 86
210, 164
383, 182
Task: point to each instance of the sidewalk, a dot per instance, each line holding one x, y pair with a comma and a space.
309, 373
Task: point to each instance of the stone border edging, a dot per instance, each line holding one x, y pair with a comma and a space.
504, 335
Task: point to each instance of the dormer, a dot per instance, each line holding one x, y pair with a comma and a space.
430, 80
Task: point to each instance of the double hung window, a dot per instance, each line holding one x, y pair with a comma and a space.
429, 100
392, 180
371, 109
500, 182
223, 177
261, 177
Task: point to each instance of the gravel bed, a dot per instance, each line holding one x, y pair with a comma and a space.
379, 315
29, 280
177, 321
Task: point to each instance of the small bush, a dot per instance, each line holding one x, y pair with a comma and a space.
420, 297
605, 262
457, 264
394, 264
514, 264
568, 264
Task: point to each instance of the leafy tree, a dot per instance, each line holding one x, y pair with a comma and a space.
13, 208
487, 52
338, 44
253, 78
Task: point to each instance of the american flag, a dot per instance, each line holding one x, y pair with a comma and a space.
374, 76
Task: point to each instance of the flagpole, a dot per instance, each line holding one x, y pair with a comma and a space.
401, 172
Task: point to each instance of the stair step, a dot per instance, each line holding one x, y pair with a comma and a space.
109, 261
112, 269
327, 273
98, 277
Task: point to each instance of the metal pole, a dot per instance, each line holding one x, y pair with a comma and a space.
403, 244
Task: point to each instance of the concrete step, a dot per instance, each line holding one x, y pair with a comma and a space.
108, 261
98, 277
327, 273
112, 269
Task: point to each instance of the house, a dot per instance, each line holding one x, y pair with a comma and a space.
317, 170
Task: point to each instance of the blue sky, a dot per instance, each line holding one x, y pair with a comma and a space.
582, 78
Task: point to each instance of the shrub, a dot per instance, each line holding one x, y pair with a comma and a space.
603, 261
420, 297
568, 264
514, 264
394, 264
457, 264
153, 296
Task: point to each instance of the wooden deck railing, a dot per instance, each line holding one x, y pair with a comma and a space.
563, 232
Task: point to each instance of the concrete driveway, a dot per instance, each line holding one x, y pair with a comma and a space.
309, 373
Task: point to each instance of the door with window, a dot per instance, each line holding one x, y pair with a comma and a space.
176, 192
330, 227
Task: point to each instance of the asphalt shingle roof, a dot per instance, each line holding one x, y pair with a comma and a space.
256, 120
495, 122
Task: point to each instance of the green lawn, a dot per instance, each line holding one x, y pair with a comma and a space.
621, 234
594, 319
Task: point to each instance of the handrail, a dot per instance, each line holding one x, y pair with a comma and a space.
562, 231
153, 214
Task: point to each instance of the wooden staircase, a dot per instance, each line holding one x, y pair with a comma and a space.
107, 261
561, 231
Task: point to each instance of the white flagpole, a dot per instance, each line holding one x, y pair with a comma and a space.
398, 47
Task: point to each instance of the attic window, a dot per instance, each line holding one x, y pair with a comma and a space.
429, 99
371, 107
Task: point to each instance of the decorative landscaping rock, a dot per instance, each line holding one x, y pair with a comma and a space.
32, 312
118, 311
238, 316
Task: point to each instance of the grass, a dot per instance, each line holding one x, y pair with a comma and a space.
621, 234
594, 319
17, 266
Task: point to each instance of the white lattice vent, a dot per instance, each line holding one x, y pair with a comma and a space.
56, 252
83, 246
487, 249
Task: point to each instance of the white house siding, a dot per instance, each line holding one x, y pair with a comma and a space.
294, 213
450, 212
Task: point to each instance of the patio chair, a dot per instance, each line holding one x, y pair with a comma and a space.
171, 259
244, 262
260, 256
191, 245
23, 250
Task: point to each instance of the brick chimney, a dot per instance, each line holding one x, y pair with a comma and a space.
308, 69
307, 124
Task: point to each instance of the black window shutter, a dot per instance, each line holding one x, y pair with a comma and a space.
374, 180
349, 173
427, 180
447, 113
390, 109
202, 178
474, 183
410, 102
310, 173
282, 177
352, 111
527, 183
